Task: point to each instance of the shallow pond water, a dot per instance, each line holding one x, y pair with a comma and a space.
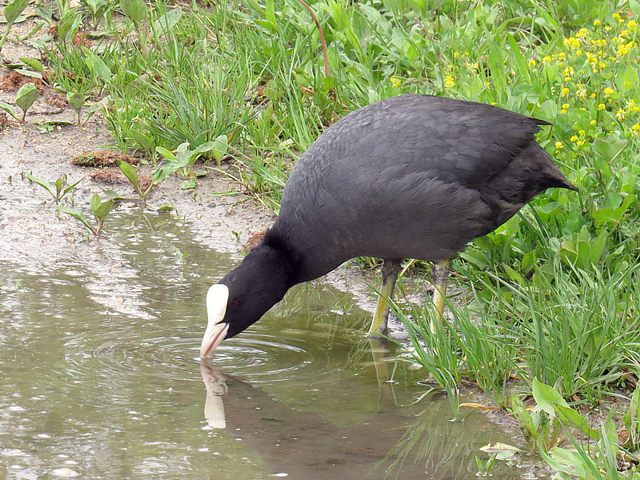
101, 377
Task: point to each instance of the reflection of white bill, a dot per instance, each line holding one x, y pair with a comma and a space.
216, 387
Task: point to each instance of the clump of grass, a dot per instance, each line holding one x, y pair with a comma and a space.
571, 327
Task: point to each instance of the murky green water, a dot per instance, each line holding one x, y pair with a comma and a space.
100, 377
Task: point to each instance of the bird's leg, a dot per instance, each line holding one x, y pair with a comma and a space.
440, 278
390, 270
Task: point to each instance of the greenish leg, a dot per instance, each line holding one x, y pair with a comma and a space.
441, 277
390, 270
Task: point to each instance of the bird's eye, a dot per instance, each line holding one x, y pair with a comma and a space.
234, 304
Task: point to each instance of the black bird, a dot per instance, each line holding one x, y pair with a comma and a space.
413, 176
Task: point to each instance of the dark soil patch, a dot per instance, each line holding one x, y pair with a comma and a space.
102, 158
113, 176
13, 80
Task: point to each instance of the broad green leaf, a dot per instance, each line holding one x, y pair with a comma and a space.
27, 94
163, 172
136, 10
78, 215
220, 147
38, 181
166, 22
608, 150
10, 109
94, 202
130, 172
613, 215
97, 66
188, 184
566, 461
103, 210
76, 100
165, 208
59, 183
166, 154
201, 149
69, 24
547, 397
71, 187
33, 63
14, 9
28, 73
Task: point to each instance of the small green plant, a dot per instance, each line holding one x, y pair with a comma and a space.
136, 11
602, 457
100, 210
97, 9
77, 100
11, 13
182, 161
544, 427
131, 174
485, 466
69, 24
26, 95
58, 189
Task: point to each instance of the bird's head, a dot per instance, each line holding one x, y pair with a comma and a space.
244, 295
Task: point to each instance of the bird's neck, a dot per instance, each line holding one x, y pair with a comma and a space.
273, 260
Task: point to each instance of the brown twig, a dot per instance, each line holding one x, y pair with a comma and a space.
325, 58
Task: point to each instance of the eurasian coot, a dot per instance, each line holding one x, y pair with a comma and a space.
413, 176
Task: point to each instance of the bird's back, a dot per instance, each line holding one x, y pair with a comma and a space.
412, 176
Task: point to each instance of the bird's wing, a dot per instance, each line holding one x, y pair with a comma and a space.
458, 142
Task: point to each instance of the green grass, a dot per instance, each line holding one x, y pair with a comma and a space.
553, 294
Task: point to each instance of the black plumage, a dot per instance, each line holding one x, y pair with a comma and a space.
414, 176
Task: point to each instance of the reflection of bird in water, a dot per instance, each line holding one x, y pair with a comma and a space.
353, 445
410, 177
214, 383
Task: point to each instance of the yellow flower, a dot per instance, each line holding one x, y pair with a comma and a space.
449, 81
632, 107
564, 108
593, 95
583, 32
546, 59
602, 106
571, 42
560, 145
632, 24
624, 48
456, 54
635, 128
532, 62
395, 82
593, 123
582, 133
564, 92
608, 91
597, 23
574, 138
580, 143
602, 65
620, 114
618, 17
